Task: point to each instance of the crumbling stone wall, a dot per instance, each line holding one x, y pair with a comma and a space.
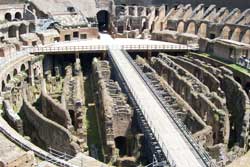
237, 101
239, 107
202, 74
47, 133
209, 106
184, 111
54, 111
115, 113
12, 117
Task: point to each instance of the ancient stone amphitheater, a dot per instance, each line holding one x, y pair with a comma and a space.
94, 83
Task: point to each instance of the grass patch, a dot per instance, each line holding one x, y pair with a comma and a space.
224, 62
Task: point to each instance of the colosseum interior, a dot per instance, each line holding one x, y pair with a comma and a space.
67, 100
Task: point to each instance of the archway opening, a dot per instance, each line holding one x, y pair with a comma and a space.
72, 116
191, 28
22, 29
103, 20
236, 34
202, 30
180, 27
23, 68
8, 17
12, 31
225, 32
8, 78
15, 72
121, 144
18, 16
3, 86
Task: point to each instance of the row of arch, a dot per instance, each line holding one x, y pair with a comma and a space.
236, 34
15, 31
132, 10
191, 27
10, 17
9, 77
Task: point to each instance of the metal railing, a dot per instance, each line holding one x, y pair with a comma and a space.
137, 101
43, 155
186, 133
46, 49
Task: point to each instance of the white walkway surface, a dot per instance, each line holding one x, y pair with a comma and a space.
162, 125
103, 44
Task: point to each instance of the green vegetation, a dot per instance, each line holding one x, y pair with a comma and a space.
223, 62
93, 134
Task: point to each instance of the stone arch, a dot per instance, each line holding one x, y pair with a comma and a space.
15, 72
131, 10
236, 34
121, 144
225, 33
181, 27
18, 15
22, 29
148, 11
202, 32
8, 78
119, 10
103, 18
23, 68
8, 16
12, 31
191, 28
3, 86
246, 37
140, 10
32, 27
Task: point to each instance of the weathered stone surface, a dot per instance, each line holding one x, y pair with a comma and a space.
46, 132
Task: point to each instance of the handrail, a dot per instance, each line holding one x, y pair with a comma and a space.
200, 151
48, 157
163, 147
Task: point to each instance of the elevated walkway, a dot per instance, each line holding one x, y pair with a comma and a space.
179, 148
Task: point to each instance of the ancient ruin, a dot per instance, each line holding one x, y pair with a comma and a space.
124, 83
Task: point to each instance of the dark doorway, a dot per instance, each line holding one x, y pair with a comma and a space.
67, 37
76, 34
103, 20
18, 16
8, 17
72, 116
121, 144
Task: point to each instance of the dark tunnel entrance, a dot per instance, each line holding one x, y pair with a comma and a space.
103, 20
121, 144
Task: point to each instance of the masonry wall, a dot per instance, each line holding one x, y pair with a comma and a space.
231, 4
239, 107
209, 109
204, 76
47, 133
54, 111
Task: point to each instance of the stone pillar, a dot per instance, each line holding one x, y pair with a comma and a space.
31, 74
135, 11
17, 33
